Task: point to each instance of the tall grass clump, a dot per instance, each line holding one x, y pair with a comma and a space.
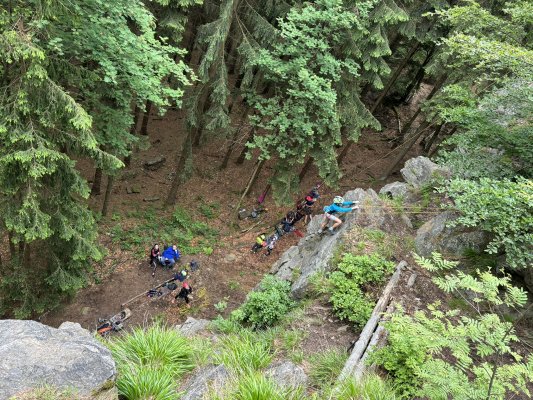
371, 387
150, 361
326, 367
244, 351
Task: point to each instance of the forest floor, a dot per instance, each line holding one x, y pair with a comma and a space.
210, 197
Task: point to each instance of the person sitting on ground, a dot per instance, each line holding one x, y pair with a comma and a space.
180, 276
338, 206
155, 254
260, 242
287, 223
184, 294
170, 256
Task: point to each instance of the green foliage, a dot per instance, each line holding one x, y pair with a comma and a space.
192, 237
244, 351
504, 209
483, 362
326, 367
209, 210
267, 305
149, 361
221, 305
347, 283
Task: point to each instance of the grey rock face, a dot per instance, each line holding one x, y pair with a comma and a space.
419, 171
434, 235
395, 189
287, 374
212, 377
314, 252
192, 326
33, 354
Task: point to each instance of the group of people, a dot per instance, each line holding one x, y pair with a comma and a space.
168, 258
304, 210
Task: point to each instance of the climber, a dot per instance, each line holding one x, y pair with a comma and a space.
184, 293
338, 206
260, 242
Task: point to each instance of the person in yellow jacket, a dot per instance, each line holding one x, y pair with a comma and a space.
260, 242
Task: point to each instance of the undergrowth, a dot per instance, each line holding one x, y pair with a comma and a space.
326, 367
191, 236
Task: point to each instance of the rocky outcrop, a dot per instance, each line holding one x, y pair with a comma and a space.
395, 189
192, 326
209, 378
314, 252
435, 235
33, 354
420, 171
287, 375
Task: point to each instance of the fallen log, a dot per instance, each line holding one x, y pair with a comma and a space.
368, 331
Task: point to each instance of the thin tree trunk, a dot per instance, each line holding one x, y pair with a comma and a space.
186, 152
406, 147
133, 131
197, 131
251, 181
419, 76
430, 139
305, 168
12, 248
146, 118
394, 76
242, 156
107, 198
97, 182
234, 140
346, 148
436, 88
439, 142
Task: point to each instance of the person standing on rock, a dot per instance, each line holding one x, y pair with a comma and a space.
338, 206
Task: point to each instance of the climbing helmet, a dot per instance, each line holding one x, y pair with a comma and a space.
338, 200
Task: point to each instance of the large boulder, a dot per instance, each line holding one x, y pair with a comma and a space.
395, 189
192, 326
33, 354
287, 374
314, 252
210, 378
420, 171
435, 235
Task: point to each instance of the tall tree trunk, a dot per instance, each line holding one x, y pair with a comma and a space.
430, 139
186, 152
12, 248
395, 76
419, 76
251, 181
440, 140
133, 132
305, 168
203, 105
97, 182
346, 148
436, 88
108, 191
234, 138
146, 118
242, 156
406, 147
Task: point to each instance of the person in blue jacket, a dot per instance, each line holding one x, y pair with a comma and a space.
338, 206
170, 256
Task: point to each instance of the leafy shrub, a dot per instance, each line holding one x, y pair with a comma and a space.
504, 209
354, 271
225, 325
221, 305
267, 305
326, 367
244, 351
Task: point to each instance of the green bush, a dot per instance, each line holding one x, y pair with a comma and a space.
326, 367
244, 351
266, 306
353, 272
144, 383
